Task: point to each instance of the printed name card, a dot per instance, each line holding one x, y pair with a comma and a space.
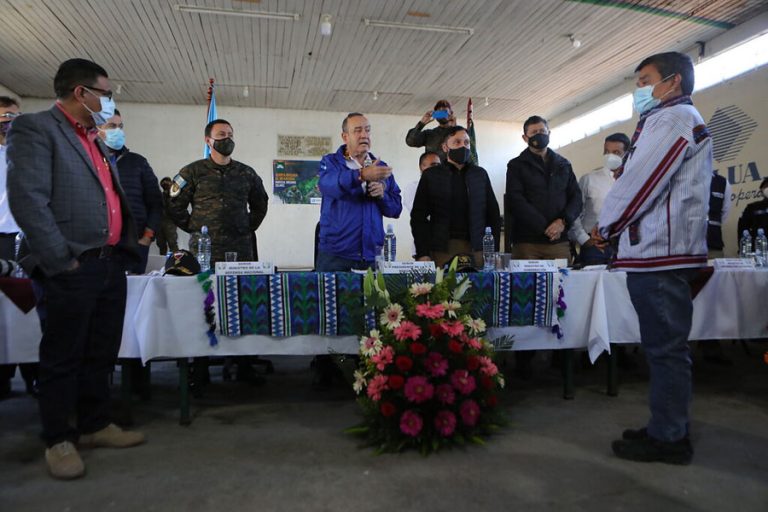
532, 266
734, 264
244, 268
407, 267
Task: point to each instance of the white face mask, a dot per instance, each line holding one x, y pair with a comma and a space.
612, 161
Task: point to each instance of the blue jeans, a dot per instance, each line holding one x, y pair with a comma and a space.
327, 262
591, 255
665, 310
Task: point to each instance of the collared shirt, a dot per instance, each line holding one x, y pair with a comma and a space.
594, 187
7, 224
87, 137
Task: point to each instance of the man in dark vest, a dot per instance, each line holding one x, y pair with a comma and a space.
719, 207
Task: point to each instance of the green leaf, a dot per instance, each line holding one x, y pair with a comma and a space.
359, 429
477, 440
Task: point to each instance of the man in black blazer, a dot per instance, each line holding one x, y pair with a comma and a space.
79, 237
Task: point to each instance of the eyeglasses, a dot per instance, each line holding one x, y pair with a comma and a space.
105, 93
11, 115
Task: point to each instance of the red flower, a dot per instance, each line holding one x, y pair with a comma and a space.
403, 363
407, 330
418, 349
473, 363
436, 330
470, 412
486, 382
491, 401
396, 381
454, 346
387, 409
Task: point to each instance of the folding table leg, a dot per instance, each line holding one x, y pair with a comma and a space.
612, 374
568, 391
184, 418
126, 384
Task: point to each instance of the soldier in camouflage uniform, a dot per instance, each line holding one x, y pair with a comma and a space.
226, 195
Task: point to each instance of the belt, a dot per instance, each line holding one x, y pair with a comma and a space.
101, 253
8, 235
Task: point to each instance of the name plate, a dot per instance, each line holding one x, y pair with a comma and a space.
734, 264
407, 267
244, 268
532, 266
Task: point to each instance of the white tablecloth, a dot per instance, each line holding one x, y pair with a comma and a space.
164, 318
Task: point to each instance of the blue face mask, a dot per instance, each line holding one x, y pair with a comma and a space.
115, 138
643, 100
107, 109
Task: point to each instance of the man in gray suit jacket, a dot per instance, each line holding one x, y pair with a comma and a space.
79, 237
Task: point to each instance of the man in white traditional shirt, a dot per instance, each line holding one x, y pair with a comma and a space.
594, 187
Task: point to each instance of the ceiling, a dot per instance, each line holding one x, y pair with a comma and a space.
519, 55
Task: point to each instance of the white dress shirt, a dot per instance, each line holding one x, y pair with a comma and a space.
7, 224
594, 187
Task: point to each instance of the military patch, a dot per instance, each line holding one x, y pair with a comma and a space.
178, 184
700, 132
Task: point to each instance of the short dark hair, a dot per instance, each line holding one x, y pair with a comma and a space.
442, 104
166, 180
764, 183
672, 63
74, 72
453, 130
619, 137
534, 120
425, 154
117, 113
209, 126
7, 101
344, 123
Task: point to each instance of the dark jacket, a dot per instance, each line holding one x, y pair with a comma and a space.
431, 139
55, 194
430, 217
141, 188
539, 193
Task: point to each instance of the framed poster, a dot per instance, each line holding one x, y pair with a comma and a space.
296, 181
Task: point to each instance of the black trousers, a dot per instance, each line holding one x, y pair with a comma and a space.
82, 315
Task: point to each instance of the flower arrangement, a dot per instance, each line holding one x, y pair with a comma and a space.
426, 379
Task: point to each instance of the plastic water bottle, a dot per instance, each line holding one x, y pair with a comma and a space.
204, 249
18, 272
745, 245
761, 248
489, 247
390, 244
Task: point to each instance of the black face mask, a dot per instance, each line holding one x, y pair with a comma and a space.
224, 146
539, 141
459, 155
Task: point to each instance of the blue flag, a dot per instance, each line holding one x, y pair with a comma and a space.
211, 114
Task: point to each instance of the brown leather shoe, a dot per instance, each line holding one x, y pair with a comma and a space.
64, 462
111, 436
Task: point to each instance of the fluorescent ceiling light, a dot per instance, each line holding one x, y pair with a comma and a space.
284, 16
413, 26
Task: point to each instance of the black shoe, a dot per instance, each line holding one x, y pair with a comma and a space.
31, 386
5, 388
649, 449
634, 434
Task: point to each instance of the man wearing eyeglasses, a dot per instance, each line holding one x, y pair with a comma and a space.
79, 237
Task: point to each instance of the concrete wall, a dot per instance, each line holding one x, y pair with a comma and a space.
170, 136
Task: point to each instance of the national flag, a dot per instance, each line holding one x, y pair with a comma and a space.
211, 113
471, 132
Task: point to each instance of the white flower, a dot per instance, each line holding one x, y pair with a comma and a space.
475, 325
360, 382
451, 307
460, 290
392, 316
421, 289
500, 380
370, 346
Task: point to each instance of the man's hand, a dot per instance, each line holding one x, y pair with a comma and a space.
375, 172
376, 189
426, 118
555, 229
145, 240
597, 240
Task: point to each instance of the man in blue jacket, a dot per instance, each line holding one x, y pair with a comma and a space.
358, 191
139, 183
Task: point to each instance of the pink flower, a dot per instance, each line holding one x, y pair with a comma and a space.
487, 367
474, 343
436, 364
407, 331
445, 394
376, 385
470, 412
453, 328
445, 423
411, 423
418, 389
383, 358
429, 311
463, 382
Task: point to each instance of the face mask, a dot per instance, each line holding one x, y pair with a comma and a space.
611, 161
459, 155
4, 128
107, 109
115, 138
539, 141
224, 146
643, 100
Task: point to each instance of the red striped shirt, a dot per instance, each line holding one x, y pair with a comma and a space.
87, 137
